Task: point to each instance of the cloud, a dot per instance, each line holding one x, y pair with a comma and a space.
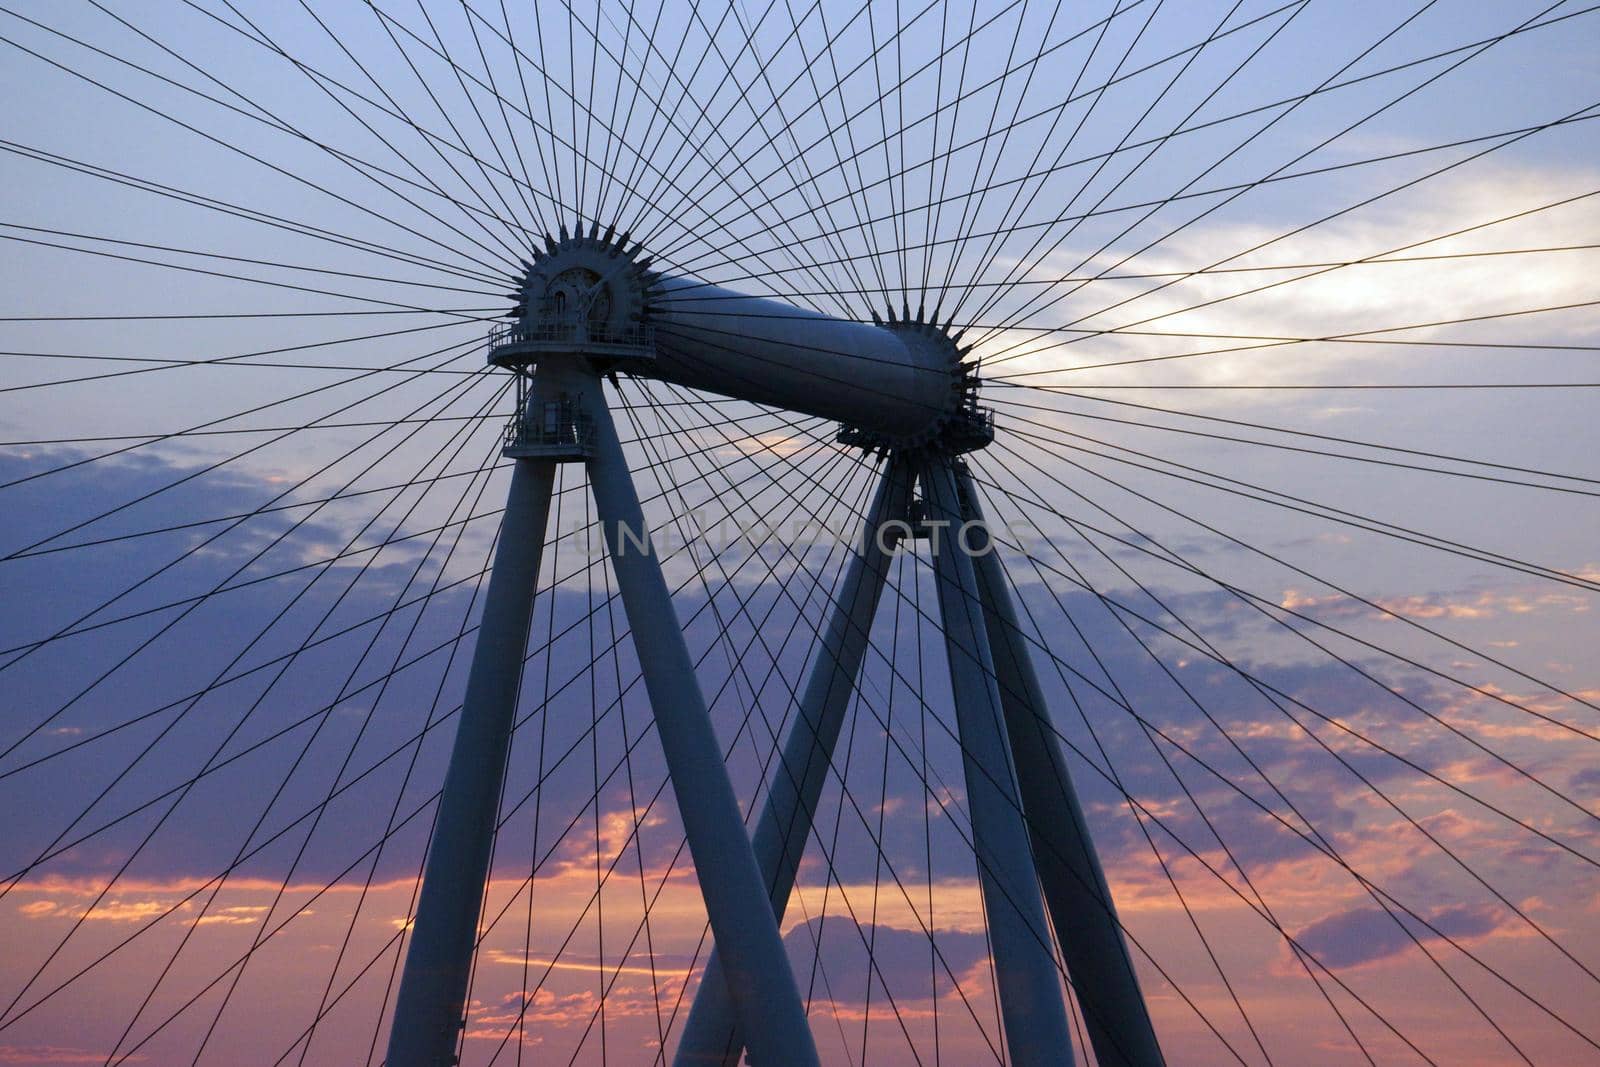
1364, 935
1336, 302
57, 1054
900, 958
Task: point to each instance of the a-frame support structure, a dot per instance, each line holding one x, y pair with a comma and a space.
904, 394
1029, 829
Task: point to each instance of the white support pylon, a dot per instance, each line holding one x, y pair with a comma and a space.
1075, 889
766, 999
429, 1008
1031, 1005
712, 1035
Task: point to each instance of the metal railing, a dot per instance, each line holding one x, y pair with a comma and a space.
547, 332
550, 427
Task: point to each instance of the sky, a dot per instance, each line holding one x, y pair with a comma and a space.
1286, 314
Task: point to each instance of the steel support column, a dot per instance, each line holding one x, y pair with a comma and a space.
433, 990
1031, 1003
766, 1000
711, 1034
1075, 890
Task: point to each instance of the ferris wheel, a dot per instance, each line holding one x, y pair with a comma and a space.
1011, 532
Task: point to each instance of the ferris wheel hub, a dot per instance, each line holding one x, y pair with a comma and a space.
901, 384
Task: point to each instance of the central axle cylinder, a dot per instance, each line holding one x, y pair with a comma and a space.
902, 383
895, 384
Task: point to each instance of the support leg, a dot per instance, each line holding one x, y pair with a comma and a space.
711, 1036
1075, 889
433, 988
766, 1000
1031, 1004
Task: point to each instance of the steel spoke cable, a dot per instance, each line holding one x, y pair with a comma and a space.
993, 248
546, 78
872, 646
510, 221
527, 99
1374, 445
930, 216
448, 394
1328, 454
1360, 336
405, 366
1112, 273
1364, 202
460, 440
700, 152
901, 127
233, 210
304, 909
660, 107
151, 435
223, 142
793, 702
292, 570
318, 808
670, 180
1265, 180
900, 173
534, 214
1195, 702
350, 628
472, 102
807, 188
1143, 276
512, 224
277, 122
296, 569
1376, 899
339, 698
1334, 721
1297, 504
471, 314
392, 108
1256, 598
271, 119
386, 279
165, 364
993, 127
169, 624
609, 126
151, 745
270, 509
609, 165
871, 233
1481, 691
1361, 880
1023, 313
1276, 613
